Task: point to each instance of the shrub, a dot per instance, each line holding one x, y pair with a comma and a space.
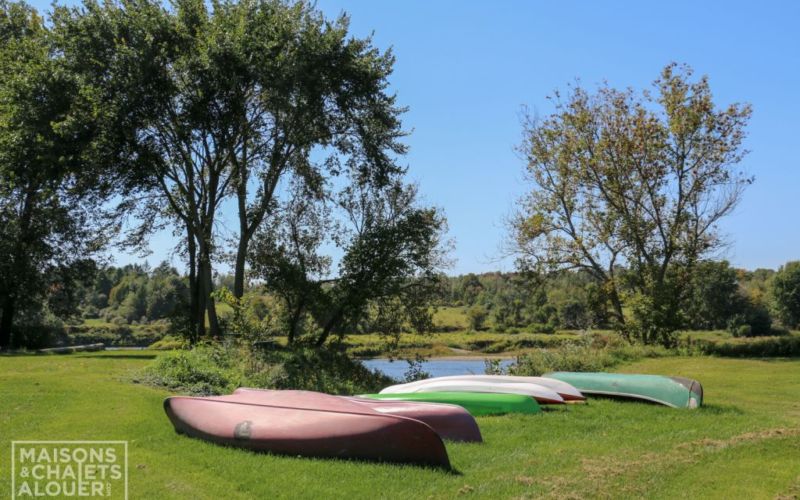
765, 347
168, 343
753, 321
741, 330
203, 370
219, 369
542, 328
476, 315
590, 353
573, 314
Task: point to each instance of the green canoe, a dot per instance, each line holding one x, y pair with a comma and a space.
477, 403
677, 392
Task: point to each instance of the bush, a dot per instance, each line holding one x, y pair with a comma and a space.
542, 328
753, 321
591, 353
476, 315
765, 347
168, 343
203, 370
219, 369
741, 330
573, 314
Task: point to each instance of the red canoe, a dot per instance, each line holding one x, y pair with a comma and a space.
449, 421
308, 424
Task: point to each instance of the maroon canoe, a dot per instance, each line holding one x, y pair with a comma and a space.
449, 421
308, 424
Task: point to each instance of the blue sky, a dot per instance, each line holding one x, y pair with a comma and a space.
465, 69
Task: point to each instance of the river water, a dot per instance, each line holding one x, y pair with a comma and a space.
435, 367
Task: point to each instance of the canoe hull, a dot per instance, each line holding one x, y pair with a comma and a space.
478, 404
563, 389
312, 427
450, 422
676, 392
541, 394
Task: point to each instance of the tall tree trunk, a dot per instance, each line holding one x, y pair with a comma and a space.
243, 176
616, 302
293, 327
213, 320
19, 257
7, 322
329, 326
202, 299
193, 291
244, 238
239, 267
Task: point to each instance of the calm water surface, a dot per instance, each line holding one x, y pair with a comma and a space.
436, 367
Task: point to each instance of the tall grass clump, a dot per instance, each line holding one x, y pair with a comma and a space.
590, 353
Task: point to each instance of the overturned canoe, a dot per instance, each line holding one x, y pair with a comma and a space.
450, 422
563, 389
477, 403
677, 392
541, 394
308, 424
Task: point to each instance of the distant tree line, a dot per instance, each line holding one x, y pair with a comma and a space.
718, 297
135, 294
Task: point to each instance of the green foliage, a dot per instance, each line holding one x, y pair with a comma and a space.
542, 328
416, 370
248, 320
715, 295
135, 294
762, 347
388, 275
592, 353
785, 291
219, 369
229, 100
169, 343
51, 182
655, 315
753, 320
630, 187
476, 316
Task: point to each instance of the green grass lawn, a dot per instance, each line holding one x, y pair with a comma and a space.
745, 443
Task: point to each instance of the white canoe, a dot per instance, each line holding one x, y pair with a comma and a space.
538, 392
563, 389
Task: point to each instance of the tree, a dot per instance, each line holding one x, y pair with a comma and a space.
392, 251
785, 291
476, 315
714, 296
52, 173
230, 101
632, 182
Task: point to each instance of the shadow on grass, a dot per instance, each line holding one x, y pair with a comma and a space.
721, 410
310, 460
117, 356
554, 408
